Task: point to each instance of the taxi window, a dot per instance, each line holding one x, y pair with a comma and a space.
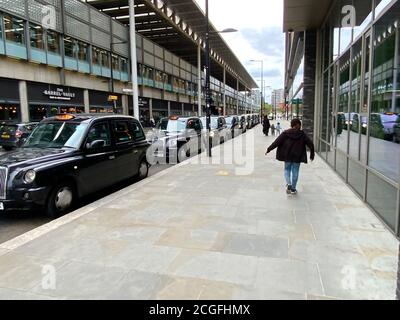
138, 132
123, 132
99, 132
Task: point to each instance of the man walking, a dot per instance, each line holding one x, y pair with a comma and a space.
292, 150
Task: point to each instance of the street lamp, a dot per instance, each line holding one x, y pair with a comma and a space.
112, 72
207, 70
262, 82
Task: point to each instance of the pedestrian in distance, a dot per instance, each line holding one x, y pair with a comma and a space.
272, 129
292, 151
278, 128
266, 125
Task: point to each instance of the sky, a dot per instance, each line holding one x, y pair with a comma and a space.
259, 37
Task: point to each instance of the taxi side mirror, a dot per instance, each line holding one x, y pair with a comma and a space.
96, 144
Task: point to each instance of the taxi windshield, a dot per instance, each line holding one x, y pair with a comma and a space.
56, 135
171, 125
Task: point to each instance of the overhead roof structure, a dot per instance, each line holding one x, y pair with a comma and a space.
178, 26
300, 15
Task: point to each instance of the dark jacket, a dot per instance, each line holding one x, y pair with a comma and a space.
266, 123
291, 146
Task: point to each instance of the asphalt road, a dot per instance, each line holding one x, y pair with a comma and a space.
15, 224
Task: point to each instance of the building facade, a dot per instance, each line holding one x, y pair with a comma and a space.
82, 63
347, 58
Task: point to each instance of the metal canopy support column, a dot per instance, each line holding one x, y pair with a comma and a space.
237, 96
224, 88
132, 35
199, 80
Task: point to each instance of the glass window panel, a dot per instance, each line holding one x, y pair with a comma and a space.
83, 51
332, 108
357, 177
384, 124
105, 59
363, 16
36, 37
325, 103
383, 198
354, 115
115, 62
341, 164
53, 41
343, 103
69, 47
124, 65
365, 101
96, 56
14, 29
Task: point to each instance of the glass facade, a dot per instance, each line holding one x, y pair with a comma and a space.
359, 118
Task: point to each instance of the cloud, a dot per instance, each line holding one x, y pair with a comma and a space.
270, 41
260, 35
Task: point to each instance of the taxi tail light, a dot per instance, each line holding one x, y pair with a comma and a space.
18, 134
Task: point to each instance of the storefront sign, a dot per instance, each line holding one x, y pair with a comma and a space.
59, 94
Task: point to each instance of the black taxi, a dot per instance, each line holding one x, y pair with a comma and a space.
69, 156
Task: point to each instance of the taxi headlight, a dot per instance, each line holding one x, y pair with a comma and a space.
30, 176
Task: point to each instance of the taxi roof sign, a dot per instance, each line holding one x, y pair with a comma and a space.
64, 117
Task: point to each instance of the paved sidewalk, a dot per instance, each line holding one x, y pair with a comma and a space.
204, 232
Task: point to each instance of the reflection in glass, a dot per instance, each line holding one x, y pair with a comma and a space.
383, 198
357, 177
14, 29
384, 154
343, 104
36, 36
53, 41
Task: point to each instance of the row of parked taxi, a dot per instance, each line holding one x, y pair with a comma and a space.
178, 138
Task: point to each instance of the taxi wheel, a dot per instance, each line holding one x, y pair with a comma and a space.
61, 200
143, 170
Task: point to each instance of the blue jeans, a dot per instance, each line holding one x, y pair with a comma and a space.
292, 170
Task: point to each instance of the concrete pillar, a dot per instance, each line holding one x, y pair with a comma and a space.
199, 80
23, 97
237, 96
151, 108
395, 73
310, 64
86, 101
224, 95
132, 35
169, 108
125, 104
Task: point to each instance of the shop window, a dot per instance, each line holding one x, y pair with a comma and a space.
37, 113
36, 37
53, 42
9, 112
